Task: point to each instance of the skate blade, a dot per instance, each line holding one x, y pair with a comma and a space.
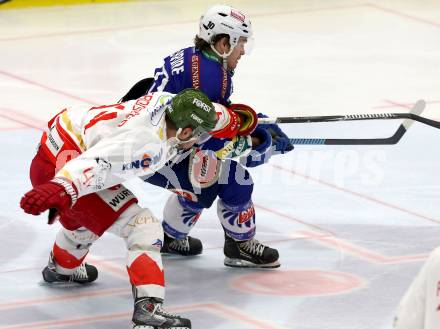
234, 262
174, 255
62, 284
150, 327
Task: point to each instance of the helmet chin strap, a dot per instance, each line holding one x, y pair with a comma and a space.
176, 141
223, 56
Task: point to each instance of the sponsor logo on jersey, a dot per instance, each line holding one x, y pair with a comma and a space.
140, 104
117, 197
137, 164
158, 110
120, 197
143, 163
204, 168
54, 142
238, 15
224, 83
195, 71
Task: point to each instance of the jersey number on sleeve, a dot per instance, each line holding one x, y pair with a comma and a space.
104, 115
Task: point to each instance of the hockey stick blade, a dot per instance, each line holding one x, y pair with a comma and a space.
394, 139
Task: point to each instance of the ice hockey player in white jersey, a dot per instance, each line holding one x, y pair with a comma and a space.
83, 158
420, 306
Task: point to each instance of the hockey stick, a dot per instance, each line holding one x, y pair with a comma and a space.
413, 115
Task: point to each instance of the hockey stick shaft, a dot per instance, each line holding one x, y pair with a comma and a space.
356, 117
394, 139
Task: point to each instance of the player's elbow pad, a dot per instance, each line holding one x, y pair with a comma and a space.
262, 152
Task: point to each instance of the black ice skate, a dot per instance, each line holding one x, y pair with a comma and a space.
249, 253
85, 273
188, 246
149, 314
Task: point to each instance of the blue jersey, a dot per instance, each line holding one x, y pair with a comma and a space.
191, 68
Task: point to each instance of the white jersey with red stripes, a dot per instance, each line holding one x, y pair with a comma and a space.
96, 148
419, 308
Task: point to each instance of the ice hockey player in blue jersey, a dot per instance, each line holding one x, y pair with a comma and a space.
225, 34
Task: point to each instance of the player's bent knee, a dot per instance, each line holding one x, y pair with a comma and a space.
145, 231
81, 238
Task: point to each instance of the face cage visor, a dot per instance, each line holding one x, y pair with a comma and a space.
199, 135
245, 44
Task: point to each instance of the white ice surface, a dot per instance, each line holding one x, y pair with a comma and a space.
352, 224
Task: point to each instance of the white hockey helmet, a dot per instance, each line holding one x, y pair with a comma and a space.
222, 19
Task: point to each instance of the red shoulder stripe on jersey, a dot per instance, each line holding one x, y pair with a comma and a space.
99, 117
